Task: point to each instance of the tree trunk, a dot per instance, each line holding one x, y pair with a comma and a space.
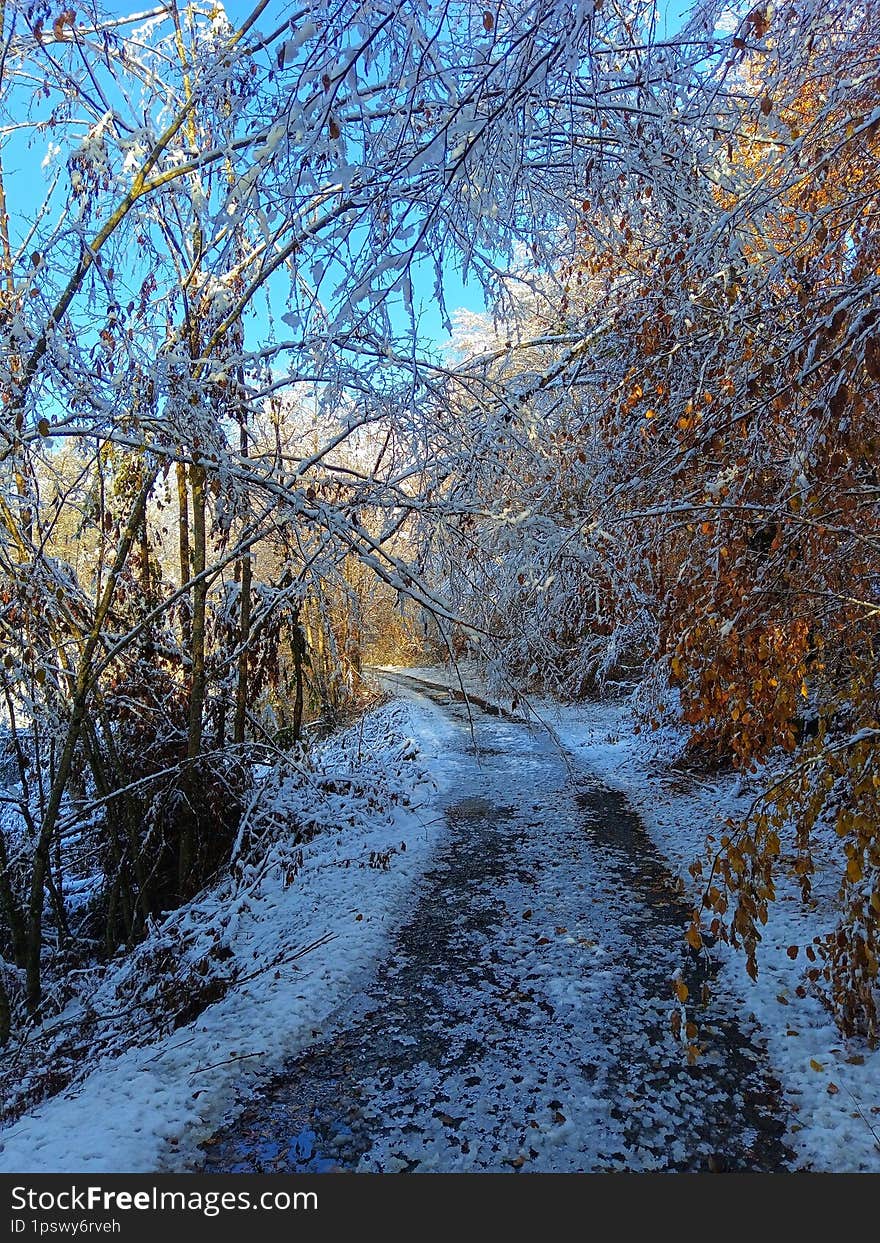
246, 566
199, 601
299, 651
186, 848
11, 909
146, 575
241, 690
5, 1014
65, 763
183, 551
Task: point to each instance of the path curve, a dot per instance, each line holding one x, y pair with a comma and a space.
521, 1020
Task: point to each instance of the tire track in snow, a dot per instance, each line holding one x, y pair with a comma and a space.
521, 1019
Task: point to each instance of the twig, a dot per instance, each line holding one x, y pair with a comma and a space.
863, 1118
284, 962
180, 1044
238, 1057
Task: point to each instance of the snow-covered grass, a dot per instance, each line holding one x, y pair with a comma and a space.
144, 1099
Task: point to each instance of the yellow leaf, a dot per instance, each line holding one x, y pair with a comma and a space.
816, 1065
693, 938
681, 991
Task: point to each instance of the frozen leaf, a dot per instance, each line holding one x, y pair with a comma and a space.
67, 18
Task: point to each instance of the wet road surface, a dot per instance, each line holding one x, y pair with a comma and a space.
521, 1020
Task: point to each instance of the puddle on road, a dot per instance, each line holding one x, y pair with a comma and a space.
469, 809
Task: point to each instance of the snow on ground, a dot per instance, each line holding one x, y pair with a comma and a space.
148, 1109
521, 1019
836, 1107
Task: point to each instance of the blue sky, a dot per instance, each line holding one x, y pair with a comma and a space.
457, 293
470, 296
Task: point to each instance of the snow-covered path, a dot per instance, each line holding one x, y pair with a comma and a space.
521, 1019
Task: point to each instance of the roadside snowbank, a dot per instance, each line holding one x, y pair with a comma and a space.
149, 1108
